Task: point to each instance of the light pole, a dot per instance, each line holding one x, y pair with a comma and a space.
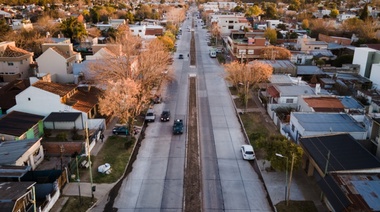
286, 175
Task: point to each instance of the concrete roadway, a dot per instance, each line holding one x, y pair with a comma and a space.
156, 181
229, 183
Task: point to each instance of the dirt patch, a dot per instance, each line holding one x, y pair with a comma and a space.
192, 181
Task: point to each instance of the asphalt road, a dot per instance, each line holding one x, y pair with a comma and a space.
229, 183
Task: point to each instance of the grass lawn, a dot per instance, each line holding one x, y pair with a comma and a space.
253, 123
296, 206
114, 153
73, 204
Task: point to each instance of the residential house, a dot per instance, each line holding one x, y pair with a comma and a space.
346, 172
22, 153
15, 63
306, 44
17, 196
18, 125
369, 61
344, 16
303, 124
245, 45
320, 104
146, 31
334, 39
58, 59
281, 67
375, 136
229, 5
211, 6
307, 72
272, 24
115, 23
8, 93
229, 23
288, 94
22, 24
43, 98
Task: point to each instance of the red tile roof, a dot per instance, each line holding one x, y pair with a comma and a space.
12, 51
325, 104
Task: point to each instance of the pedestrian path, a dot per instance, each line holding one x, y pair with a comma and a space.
302, 187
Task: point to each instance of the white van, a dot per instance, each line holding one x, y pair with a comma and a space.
212, 53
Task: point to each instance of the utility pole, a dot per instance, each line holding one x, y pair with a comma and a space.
89, 161
78, 180
62, 149
290, 180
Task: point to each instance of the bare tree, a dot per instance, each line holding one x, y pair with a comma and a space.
139, 71
244, 77
275, 52
175, 15
215, 32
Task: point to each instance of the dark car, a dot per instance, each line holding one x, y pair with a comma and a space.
165, 115
178, 127
180, 56
121, 130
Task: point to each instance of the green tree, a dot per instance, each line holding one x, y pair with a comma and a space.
281, 26
253, 11
238, 9
4, 28
95, 16
271, 12
73, 29
271, 35
365, 13
273, 145
334, 13
305, 24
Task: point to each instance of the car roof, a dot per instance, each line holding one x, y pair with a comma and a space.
247, 147
150, 110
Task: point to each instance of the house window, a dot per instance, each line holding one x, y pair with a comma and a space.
67, 64
140, 30
21, 62
231, 22
293, 127
317, 48
29, 99
132, 30
10, 64
231, 27
289, 100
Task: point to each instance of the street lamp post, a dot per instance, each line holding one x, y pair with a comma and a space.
286, 175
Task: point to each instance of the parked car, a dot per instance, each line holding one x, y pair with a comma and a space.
180, 56
247, 152
165, 115
120, 130
150, 116
178, 127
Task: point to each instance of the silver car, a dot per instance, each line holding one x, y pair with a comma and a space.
150, 116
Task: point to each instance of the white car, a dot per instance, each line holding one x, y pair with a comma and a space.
150, 116
247, 152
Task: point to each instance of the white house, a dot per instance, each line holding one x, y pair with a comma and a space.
369, 60
58, 59
14, 62
304, 124
22, 153
272, 24
43, 98
305, 44
344, 16
228, 23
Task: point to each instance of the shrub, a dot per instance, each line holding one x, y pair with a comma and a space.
61, 136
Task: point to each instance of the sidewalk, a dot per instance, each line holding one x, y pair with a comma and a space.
102, 190
302, 187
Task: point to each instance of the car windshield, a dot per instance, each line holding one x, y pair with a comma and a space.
149, 114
